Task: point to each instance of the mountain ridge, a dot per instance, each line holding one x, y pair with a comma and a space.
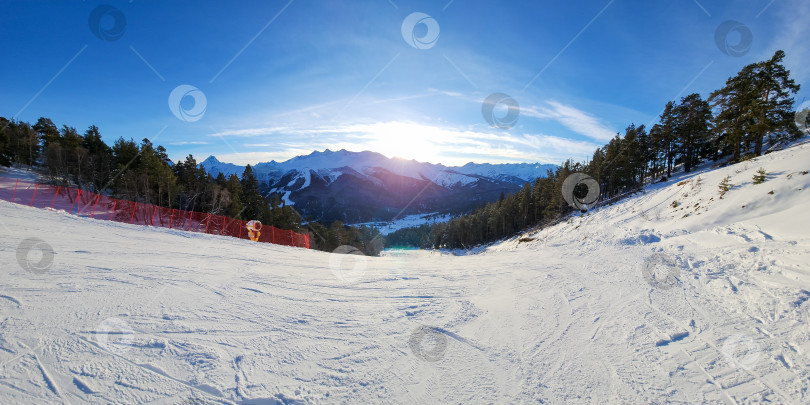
368, 186
522, 171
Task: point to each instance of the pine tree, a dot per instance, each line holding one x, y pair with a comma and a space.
734, 118
756, 102
254, 203
5, 156
773, 105
693, 129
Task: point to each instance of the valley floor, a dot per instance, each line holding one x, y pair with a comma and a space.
646, 301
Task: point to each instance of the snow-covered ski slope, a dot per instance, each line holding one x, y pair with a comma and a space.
640, 302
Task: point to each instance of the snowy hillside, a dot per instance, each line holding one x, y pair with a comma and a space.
645, 301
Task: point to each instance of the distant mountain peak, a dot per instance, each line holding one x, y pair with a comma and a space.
328, 184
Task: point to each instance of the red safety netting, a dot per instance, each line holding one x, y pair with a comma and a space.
216, 225
24, 193
143, 214
45, 197
235, 228
65, 199
198, 222
180, 219
88, 204
163, 217
85, 203
7, 187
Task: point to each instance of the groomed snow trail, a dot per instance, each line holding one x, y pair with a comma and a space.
130, 314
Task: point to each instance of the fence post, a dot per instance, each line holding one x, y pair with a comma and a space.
93, 214
53, 204
292, 240
133, 212
171, 219
307, 236
240, 228
36, 187
207, 221
14, 194
152, 221
190, 213
272, 234
115, 203
78, 202
224, 220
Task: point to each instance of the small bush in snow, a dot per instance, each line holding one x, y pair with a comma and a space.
725, 185
760, 176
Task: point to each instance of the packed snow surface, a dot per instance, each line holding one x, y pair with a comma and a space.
674, 295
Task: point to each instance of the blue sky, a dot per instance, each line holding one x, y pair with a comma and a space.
283, 78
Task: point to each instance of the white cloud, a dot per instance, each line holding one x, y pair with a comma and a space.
574, 119
189, 143
408, 140
792, 36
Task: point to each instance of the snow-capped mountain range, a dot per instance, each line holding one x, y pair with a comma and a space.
367, 186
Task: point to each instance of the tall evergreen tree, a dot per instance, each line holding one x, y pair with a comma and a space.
693, 125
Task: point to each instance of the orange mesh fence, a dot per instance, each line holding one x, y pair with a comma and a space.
88, 204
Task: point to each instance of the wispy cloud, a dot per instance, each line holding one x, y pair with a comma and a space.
793, 33
409, 140
189, 143
572, 118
